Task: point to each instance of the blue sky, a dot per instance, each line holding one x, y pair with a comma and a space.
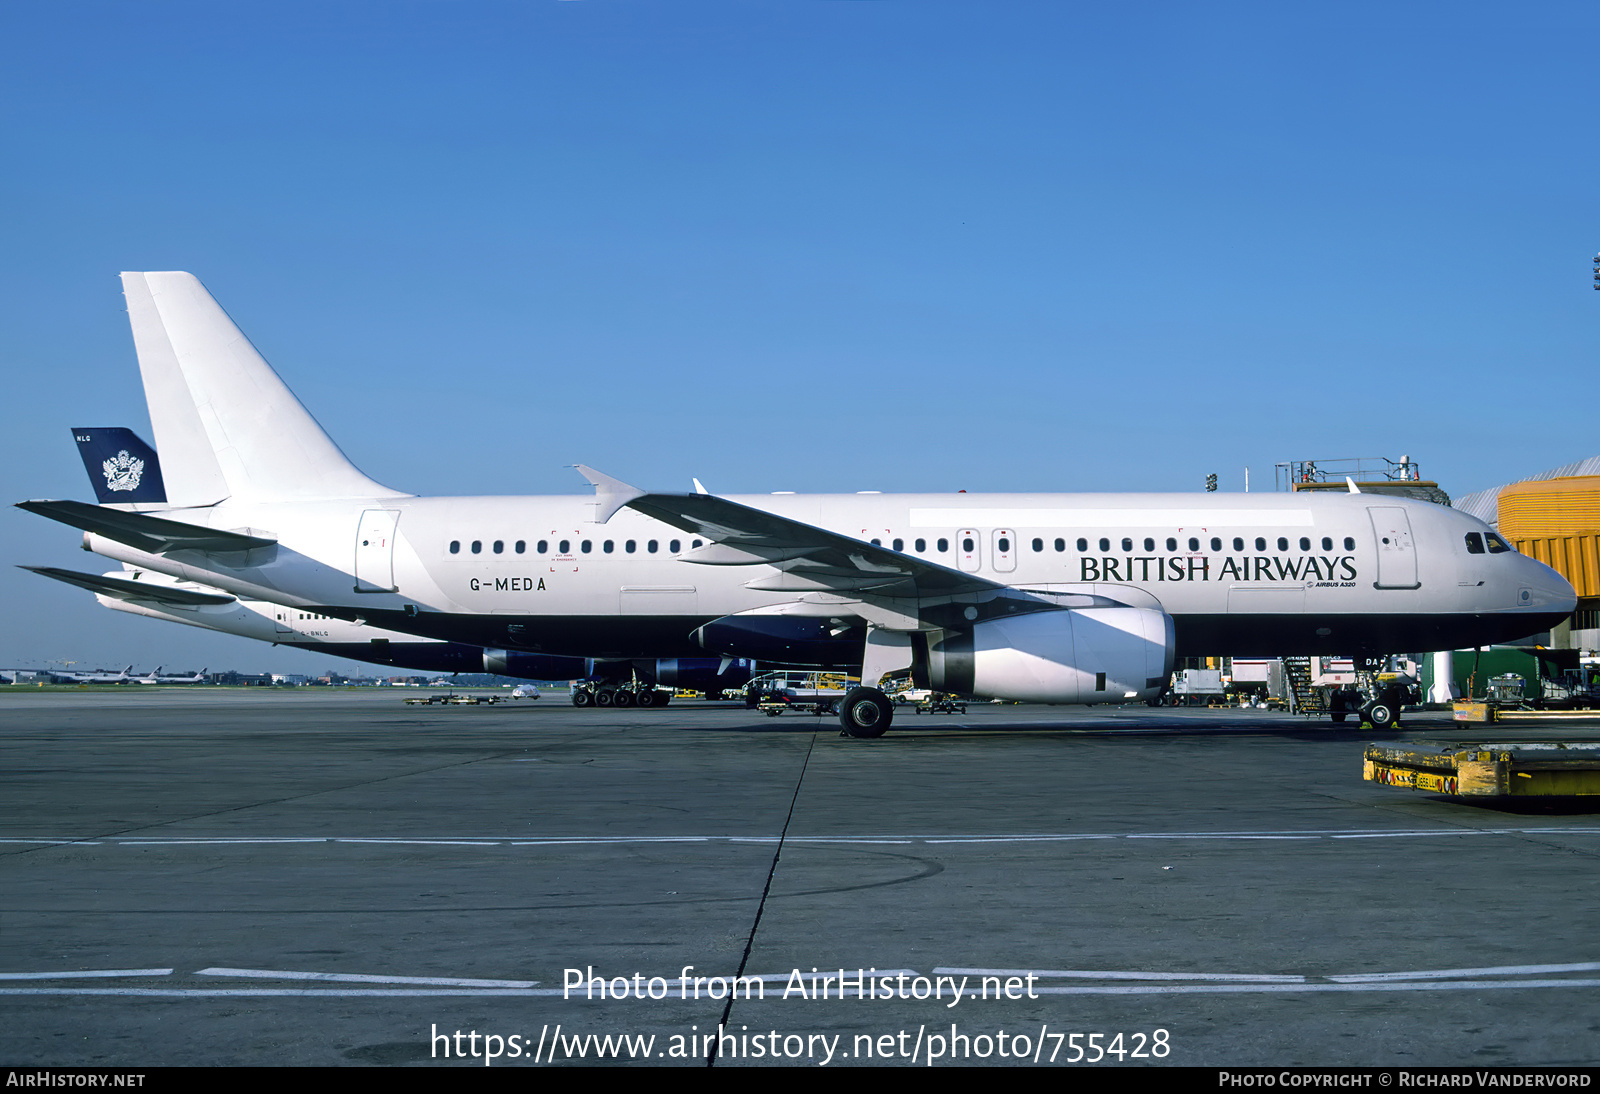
816, 246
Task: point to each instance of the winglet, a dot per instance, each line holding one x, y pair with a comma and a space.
609, 494
1354, 489
699, 487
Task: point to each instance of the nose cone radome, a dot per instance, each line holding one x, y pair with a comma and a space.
1541, 589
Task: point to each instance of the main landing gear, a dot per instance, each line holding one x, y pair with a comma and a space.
865, 712
589, 693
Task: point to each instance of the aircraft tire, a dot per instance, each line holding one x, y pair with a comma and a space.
624, 698
645, 699
865, 713
605, 697
1382, 716
581, 698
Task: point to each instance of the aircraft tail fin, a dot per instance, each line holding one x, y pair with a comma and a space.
227, 425
122, 468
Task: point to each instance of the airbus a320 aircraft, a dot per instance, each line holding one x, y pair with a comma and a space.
1053, 598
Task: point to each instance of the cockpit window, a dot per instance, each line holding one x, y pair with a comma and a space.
1474, 543
1497, 546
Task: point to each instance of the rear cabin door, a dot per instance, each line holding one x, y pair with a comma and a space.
375, 551
1397, 552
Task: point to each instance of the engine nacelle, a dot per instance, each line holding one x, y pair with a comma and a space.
786, 639
1075, 655
702, 673
534, 666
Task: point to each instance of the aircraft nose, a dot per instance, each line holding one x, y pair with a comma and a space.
1542, 589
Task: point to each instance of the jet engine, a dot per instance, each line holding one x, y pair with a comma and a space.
1074, 655
786, 639
533, 666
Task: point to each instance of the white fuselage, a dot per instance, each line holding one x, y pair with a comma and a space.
1239, 573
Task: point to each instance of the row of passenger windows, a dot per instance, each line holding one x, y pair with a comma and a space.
942, 545
1003, 545
564, 547
1194, 543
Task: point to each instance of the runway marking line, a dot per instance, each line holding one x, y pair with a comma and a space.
866, 840
76, 973
363, 978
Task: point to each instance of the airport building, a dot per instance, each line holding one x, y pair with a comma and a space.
1554, 517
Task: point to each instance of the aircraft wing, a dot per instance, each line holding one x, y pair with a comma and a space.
132, 590
140, 530
817, 558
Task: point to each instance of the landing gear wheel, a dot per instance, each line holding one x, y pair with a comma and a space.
646, 698
623, 699
604, 697
1382, 716
865, 712
581, 698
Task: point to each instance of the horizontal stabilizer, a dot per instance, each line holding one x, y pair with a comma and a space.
147, 533
124, 589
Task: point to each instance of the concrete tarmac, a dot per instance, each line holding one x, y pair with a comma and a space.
214, 877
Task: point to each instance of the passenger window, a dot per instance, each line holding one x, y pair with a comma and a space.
1061, 545
522, 546
1327, 543
544, 546
1216, 544
631, 546
1149, 544
477, 546
877, 543
1127, 544
1194, 543
1172, 543
1083, 544
922, 545
1105, 544
899, 545
1497, 546
697, 544
1005, 544
1305, 543
499, 546
944, 545
1238, 543
608, 546
675, 546
967, 545
455, 546
1349, 543
1283, 543
566, 547
1261, 543
652, 545
1038, 545
586, 546
1474, 543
